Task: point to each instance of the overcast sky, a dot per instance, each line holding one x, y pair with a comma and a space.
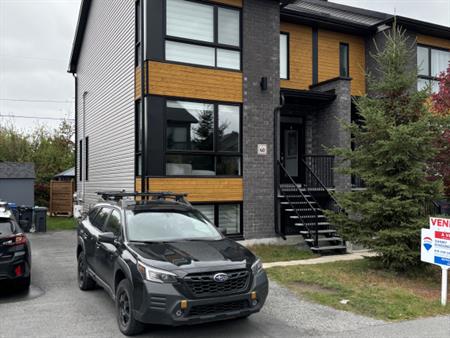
36, 38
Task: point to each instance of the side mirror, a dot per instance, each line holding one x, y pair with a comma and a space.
223, 231
107, 237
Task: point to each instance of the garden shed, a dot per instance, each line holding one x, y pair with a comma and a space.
17, 183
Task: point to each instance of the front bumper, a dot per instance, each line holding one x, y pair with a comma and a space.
161, 304
8, 263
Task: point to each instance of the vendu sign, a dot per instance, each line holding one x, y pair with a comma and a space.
435, 249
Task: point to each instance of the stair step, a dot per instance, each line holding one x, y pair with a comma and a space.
319, 223
331, 247
289, 203
307, 216
324, 239
292, 210
323, 231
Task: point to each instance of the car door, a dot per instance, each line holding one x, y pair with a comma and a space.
106, 253
93, 228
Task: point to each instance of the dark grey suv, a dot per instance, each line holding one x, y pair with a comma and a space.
164, 262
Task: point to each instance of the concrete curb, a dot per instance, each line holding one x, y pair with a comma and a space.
323, 259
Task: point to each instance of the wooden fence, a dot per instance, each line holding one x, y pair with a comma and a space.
61, 197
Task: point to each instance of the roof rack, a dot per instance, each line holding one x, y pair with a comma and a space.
117, 196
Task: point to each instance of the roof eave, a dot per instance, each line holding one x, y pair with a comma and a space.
79, 34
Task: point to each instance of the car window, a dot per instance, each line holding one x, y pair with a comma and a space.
6, 227
100, 218
113, 223
92, 214
169, 226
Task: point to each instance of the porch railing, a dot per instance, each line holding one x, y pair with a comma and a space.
321, 171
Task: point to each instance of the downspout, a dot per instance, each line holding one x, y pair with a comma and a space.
143, 112
76, 130
276, 158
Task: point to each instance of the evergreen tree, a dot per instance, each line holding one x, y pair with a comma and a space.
393, 143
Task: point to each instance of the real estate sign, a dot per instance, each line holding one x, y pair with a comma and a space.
435, 248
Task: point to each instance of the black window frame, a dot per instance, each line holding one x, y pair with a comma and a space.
216, 45
346, 45
429, 77
216, 222
288, 51
215, 152
81, 161
137, 34
138, 138
86, 159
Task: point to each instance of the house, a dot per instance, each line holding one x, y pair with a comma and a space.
231, 101
17, 183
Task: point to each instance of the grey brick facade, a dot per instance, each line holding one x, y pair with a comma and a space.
261, 29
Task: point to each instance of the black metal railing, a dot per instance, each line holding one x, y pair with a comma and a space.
319, 168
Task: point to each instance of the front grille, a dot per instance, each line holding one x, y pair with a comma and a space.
204, 285
210, 309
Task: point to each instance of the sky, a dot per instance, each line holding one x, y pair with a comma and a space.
36, 38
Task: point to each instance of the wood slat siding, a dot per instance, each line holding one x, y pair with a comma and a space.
236, 3
169, 79
328, 53
106, 72
300, 56
201, 189
433, 41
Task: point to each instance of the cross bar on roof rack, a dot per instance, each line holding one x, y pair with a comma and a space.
119, 195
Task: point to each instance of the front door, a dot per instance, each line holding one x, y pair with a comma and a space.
292, 150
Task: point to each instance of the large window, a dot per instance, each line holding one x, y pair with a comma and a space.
225, 216
284, 56
203, 139
344, 60
431, 62
203, 34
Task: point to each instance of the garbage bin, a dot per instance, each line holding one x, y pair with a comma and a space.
40, 219
25, 217
13, 208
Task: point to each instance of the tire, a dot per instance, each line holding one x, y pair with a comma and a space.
85, 282
126, 320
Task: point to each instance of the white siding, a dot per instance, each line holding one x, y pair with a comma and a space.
106, 72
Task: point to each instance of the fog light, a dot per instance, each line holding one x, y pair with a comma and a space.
184, 304
254, 302
179, 313
253, 296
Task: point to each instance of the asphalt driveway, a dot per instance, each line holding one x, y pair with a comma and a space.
55, 307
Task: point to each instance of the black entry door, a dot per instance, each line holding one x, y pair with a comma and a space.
292, 149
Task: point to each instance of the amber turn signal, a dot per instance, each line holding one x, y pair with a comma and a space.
184, 304
253, 295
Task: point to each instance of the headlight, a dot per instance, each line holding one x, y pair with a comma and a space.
156, 275
257, 266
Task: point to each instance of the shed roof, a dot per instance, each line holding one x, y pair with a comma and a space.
67, 173
15, 170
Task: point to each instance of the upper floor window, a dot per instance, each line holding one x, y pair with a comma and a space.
431, 62
284, 56
203, 139
203, 34
344, 60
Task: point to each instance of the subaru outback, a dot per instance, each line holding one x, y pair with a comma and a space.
163, 262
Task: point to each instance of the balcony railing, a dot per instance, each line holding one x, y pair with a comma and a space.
323, 168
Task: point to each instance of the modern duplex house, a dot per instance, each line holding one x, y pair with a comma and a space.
230, 101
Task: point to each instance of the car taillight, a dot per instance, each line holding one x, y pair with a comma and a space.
16, 240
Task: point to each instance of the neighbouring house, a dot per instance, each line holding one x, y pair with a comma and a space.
17, 183
62, 188
230, 101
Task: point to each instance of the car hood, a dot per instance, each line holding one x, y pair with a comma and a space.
194, 255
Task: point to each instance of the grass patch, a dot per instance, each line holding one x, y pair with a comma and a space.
61, 223
278, 253
370, 291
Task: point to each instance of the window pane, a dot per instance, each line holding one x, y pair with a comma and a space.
229, 128
230, 218
283, 56
207, 210
101, 217
190, 20
343, 59
228, 59
229, 165
139, 165
229, 27
439, 61
113, 224
434, 86
422, 84
195, 165
422, 60
183, 52
190, 126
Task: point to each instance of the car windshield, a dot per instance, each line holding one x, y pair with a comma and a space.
166, 226
6, 227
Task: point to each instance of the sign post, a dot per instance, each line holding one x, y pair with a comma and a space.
435, 249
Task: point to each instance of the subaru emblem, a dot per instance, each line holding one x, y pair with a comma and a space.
220, 277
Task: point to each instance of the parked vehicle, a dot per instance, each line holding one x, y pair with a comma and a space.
164, 262
15, 251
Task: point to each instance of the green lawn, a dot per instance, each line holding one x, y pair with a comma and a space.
61, 223
276, 253
369, 290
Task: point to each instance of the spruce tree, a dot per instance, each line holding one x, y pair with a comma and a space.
393, 143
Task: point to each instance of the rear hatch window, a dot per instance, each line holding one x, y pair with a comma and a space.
6, 228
